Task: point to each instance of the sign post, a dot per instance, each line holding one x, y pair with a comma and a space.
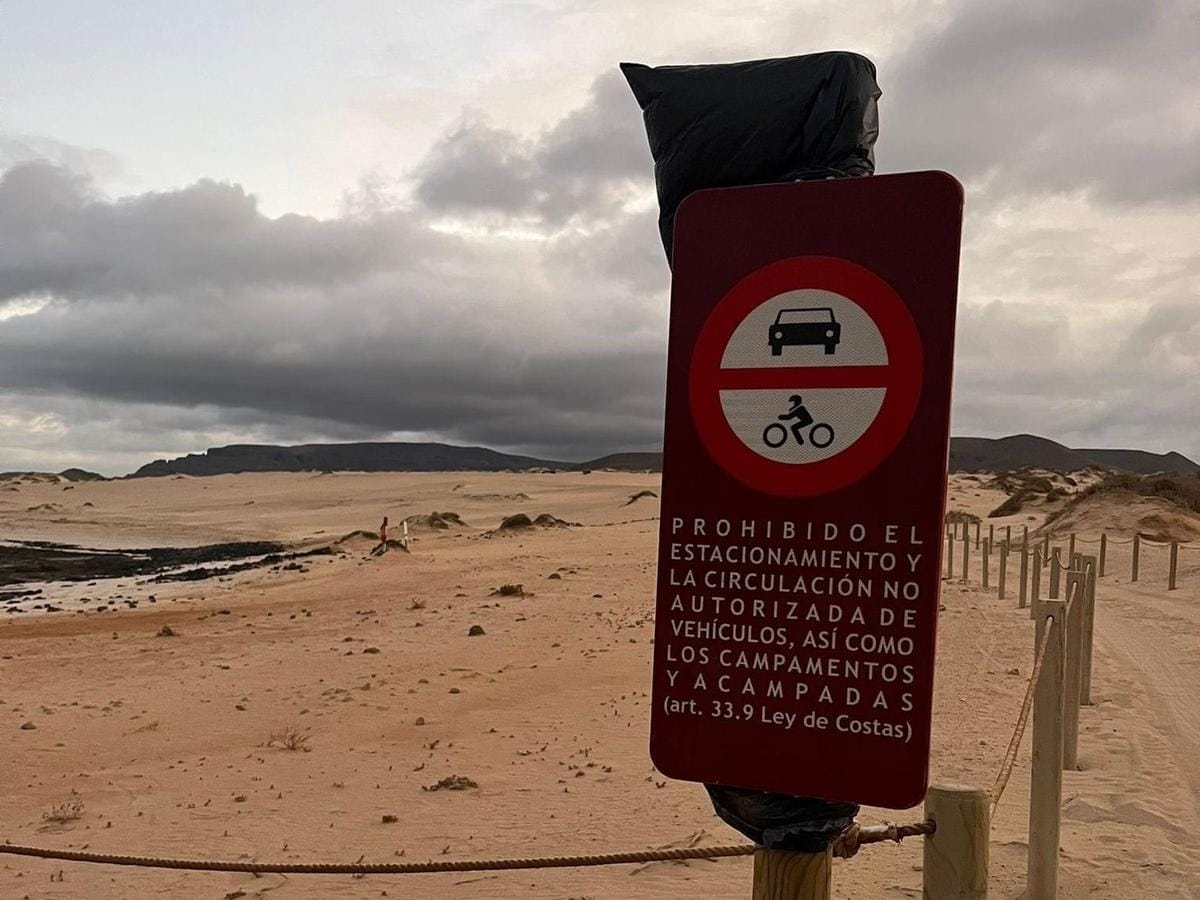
804, 478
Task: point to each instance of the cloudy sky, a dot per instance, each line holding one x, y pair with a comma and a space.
295, 221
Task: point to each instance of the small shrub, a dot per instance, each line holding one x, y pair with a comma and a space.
509, 590
633, 498
452, 783
1183, 490
290, 738
958, 516
70, 810
1012, 505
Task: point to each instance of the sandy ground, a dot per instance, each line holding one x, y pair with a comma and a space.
165, 739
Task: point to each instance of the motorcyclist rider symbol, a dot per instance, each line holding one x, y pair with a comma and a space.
820, 434
812, 382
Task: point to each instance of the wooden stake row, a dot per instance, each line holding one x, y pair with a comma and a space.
1043, 554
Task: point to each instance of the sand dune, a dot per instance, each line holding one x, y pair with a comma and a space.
175, 741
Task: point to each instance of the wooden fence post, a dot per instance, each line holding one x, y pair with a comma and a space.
1025, 536
966, 560
956, 855
1045, 783
1023, 595
1055, 575
1173, 565
787, 875
991, 535
1137, 546
1072, 668
1035, 597
1008, 535
977, 526
987, 552
950, 556
1045, 549
1001, 576
1071, 546
1103, 552
1089, 627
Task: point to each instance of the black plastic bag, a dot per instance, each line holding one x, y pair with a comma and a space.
771, 120
781, 821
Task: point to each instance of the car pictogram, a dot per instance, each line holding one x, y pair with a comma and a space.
806, 326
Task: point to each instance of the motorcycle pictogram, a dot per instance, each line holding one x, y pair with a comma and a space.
820, 434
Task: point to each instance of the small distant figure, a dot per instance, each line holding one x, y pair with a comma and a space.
382, 546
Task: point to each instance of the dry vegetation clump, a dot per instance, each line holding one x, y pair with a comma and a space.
360, 533
1012, 505
442, 521
1028, 486
509, 590
1021, 480
633, 498
70, 810
959, 516
1182, 490
520, 521
452, 783
289, 738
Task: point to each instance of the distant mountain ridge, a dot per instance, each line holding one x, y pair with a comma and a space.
359, 457
72, 475
967, 454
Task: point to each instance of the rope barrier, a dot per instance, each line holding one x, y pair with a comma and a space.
844, 847
359, 868
1014, 744
854, 837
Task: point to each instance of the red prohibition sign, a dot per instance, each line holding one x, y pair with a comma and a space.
900, 376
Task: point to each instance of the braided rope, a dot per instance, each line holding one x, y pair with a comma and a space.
359, 868
1014, 744
856, 836
846, 846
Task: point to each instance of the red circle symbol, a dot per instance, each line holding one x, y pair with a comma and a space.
900, 377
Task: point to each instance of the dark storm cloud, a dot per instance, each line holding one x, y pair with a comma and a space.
1055, 95
589, 160
374, 322
58, 238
